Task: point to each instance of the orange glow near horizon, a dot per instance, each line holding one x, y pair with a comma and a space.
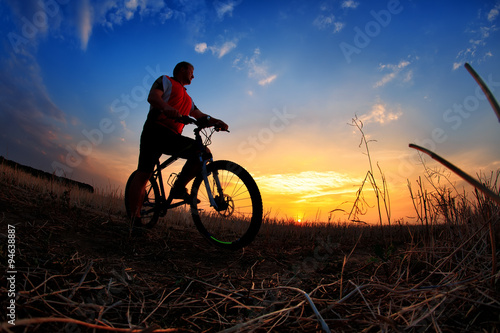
299, 197
305, 196
312, 196
296, 197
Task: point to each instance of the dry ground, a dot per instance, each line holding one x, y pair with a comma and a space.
79, 269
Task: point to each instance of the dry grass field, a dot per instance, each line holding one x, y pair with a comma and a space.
78, 269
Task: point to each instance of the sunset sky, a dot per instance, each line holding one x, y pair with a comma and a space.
287, 76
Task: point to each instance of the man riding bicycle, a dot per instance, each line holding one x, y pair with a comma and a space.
162, 134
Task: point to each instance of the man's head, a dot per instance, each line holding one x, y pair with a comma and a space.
183, 72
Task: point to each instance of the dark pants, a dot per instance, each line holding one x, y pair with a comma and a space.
157, 140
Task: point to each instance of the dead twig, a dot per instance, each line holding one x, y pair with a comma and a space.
485, 89
37, 321
495, 197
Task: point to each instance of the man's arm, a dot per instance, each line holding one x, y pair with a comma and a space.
196, 113
157, 102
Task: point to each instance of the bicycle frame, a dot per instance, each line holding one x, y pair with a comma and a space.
157, 175
166, 202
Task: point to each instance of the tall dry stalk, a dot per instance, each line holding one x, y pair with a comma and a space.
456, 217
485, 200
381, 193
490, 213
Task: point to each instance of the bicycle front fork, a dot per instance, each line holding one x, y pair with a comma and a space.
216, 204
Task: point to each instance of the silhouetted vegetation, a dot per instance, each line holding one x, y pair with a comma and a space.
78, 268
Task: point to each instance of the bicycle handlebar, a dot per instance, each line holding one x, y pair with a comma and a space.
201, 123
186, 120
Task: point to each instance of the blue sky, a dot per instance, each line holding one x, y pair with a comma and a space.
287, 76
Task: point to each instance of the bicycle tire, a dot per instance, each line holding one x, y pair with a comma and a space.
150, 211
238, 222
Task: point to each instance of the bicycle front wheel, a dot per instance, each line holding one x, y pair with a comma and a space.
236, 220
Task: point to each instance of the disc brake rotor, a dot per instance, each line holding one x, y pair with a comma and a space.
225, 205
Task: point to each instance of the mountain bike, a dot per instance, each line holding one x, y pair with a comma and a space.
225, 201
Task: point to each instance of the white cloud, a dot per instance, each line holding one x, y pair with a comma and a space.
493, 14
379, 114
267, 80
218, 51
307, 183
224, 49
395, 71
258, 70
109, 13
350, 4
482, 32
324, 22
387, 78
225, 8
408, 76
131, 4
166, 15
338, 26
85, 23
201, 47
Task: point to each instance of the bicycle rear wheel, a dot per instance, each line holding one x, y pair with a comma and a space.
238, 217
150, 211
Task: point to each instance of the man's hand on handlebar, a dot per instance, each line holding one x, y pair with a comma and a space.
219, 125
207, 121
